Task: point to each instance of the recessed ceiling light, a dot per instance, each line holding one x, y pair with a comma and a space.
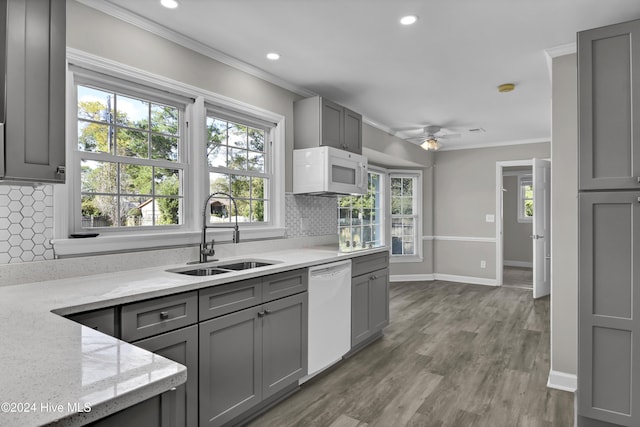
506, 87
273, 56
169, 4
408, 20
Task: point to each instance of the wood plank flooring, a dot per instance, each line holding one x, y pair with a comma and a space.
518, 276
454, 355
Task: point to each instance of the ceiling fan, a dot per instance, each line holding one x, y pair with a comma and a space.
431, 136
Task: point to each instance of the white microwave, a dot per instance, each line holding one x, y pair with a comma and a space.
328, 170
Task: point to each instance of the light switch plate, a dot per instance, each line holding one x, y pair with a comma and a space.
491, 218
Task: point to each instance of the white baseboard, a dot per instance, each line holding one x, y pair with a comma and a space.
445, 277
562, 381
525, 264
411, 277
466, 279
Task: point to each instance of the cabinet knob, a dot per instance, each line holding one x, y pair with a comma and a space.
373, 277
164, 315
261, 314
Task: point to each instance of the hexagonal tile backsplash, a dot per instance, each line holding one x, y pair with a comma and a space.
26, 223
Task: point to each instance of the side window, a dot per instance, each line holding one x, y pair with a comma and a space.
360, 218
525, 198
405, 214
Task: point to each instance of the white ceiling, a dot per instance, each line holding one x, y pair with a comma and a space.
444, 70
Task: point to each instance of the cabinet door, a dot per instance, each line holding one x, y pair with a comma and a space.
148, 413
360, 304
35, 91
180, 346
103, 320
230, 366
284, 343
332, 124
379, 300
609, 87
609, 307
352, 131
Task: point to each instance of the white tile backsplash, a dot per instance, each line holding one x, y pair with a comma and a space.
26, 223
311, 215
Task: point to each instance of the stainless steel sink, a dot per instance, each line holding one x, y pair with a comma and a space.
221, 268
245, 265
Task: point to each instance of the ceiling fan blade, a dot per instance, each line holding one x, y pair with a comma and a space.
449, 136
416, 139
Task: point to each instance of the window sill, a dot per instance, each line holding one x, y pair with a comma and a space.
398, 259
66, 248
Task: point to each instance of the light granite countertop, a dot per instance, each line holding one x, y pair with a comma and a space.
51, 367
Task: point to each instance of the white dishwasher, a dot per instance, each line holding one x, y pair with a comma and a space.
329, 315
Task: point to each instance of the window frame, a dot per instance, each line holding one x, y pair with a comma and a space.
417, 175
105, 83
194, 192
383, 184
524, 180
269, 167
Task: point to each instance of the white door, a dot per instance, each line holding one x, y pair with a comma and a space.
541, 228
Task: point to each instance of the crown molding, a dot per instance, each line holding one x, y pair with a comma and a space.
564, 49
495, 144
182, 40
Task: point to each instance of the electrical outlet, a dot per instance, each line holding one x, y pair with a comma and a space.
304, 224
483, 264
490, 218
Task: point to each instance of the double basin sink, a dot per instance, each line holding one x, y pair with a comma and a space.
222, 268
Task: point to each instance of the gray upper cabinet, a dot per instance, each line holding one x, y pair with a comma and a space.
609, 304
32, 115
320, 122
609, 101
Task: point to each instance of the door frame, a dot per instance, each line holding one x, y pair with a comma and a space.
499, 220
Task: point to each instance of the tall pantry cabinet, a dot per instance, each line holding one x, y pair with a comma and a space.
609, 226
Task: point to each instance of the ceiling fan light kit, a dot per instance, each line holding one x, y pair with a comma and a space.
430, 144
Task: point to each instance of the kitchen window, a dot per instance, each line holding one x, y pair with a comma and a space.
406, 190
144, 152
525, 198
129, 154
238, 160
360, 218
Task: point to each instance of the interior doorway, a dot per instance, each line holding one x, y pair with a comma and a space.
517, 217
522, 230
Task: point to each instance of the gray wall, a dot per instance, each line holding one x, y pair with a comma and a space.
465, 192
95, 32
395, 148
564, 216
517, 243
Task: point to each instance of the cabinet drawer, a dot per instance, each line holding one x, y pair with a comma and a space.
147, 318
225, 299
368, 263
284, 284
103, 320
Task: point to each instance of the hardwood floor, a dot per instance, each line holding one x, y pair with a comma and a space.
454, 355
518, 276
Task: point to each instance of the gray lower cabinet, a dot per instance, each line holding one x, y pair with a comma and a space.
154, 412
369, 305
180, 346
249, 355
609, 309
103, 320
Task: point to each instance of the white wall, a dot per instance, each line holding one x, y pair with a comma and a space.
465, 192
564, 216
517, 240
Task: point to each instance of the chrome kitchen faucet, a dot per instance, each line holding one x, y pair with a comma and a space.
206, 249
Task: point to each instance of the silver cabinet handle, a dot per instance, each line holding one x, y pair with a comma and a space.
164, 315
261, 314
